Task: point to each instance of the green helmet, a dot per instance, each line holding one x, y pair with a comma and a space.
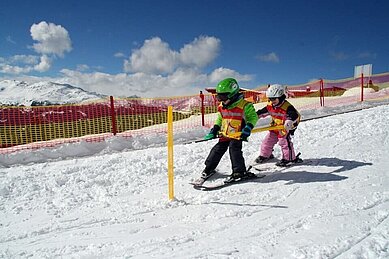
228, 86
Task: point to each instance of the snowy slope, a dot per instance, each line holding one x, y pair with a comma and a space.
115, 204
22, 93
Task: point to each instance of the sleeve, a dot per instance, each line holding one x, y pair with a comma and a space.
250, 114
219, 119
292, 113
263, 112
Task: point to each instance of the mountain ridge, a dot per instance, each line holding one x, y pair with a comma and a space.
22, 93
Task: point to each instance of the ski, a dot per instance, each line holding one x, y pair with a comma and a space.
225, 183
268, 167
275, 164
202, 179
198, 182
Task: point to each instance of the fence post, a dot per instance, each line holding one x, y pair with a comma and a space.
113, 116
202, 108
361, 87
321, 92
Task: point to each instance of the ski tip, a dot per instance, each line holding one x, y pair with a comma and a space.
199, 187
194, 184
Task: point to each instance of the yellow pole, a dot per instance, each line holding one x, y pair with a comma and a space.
170, 151
278, 127
236, 135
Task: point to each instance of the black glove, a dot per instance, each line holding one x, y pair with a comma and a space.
246, 131
213, 133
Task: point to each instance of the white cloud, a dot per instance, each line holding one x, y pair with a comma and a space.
156, 69
119, 55
155, 56
52, 39
200, 52
183, 81
82, 67
19, 64
220, 73
269, 57
23, 59
44, 64
8, 69
141, 84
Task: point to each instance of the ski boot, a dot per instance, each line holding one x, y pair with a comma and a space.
238, 176
287, 163
262, 159
205, 174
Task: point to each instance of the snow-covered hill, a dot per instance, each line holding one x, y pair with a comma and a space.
42, 93
114, 204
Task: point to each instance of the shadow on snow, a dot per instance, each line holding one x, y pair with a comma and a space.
298, 176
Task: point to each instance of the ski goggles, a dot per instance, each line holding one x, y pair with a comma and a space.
222, 96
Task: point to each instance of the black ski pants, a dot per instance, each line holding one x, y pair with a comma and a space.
236, 155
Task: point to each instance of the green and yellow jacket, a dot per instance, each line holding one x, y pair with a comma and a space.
236, 116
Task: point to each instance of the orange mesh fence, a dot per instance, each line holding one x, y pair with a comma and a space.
46, 126
149, 115
338, 92
23, 125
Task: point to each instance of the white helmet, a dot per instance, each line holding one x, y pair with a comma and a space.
275, 91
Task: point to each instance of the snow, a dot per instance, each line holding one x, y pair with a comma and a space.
357, 91
14, 92
110, 200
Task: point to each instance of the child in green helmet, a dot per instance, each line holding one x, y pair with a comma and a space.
235, 114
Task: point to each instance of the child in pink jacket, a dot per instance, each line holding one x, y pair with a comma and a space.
282, 113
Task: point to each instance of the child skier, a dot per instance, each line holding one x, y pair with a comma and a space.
235, 114
282, 113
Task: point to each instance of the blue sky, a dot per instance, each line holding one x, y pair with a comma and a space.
159, 48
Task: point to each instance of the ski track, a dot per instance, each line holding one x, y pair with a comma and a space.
118, 208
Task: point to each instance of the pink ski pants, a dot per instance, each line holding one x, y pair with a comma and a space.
285, 143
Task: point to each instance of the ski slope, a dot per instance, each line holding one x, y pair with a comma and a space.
115, 204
